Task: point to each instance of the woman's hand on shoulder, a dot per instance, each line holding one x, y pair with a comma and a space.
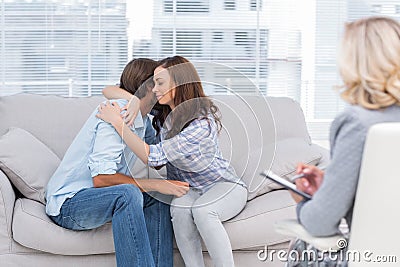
132, 110
110, 112
133, 106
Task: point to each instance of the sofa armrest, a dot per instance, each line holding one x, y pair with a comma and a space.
325, 159
294, 229
7, 201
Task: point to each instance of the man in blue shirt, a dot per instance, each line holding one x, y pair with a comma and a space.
93, 185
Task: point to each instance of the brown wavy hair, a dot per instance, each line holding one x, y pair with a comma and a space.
190, 100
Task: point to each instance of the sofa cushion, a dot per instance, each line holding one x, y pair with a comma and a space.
253, 227
34, 229
28, 163
288, 153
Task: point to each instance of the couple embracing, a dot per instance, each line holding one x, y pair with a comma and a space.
93, 185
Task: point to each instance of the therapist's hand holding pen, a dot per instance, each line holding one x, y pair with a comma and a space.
308, 178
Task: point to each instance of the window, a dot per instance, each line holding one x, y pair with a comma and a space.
289, 48
60, 48
187, 6
376, 9
168, 6
192, 6
241, 38
166, 38
253, 4
229, 4
218, 37
189, 43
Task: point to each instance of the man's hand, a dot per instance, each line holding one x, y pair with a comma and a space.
312, 179
166, 187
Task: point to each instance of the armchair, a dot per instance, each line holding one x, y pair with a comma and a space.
374, 229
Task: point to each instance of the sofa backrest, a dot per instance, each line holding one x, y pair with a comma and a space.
54, 120
252, 125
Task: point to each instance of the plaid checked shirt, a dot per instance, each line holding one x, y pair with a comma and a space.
193, 156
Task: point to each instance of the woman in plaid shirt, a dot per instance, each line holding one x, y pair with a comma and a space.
188, 124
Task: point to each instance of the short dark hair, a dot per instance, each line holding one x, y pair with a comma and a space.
137, 76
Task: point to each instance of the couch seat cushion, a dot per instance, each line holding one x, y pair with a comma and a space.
34, 229
287, 154
253, 227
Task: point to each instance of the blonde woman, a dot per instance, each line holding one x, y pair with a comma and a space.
369, 65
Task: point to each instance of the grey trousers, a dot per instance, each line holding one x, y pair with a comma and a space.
196, 216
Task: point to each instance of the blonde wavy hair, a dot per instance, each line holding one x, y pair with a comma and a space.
369, 62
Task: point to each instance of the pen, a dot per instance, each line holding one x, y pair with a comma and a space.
301, 175
297, 176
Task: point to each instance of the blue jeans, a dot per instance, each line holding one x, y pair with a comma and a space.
141, 224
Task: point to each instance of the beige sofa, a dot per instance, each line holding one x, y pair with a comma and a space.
259, 133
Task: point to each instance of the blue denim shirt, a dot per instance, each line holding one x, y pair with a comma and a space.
97, 149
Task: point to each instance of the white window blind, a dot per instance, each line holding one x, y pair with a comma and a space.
261, 40
278, 47
229, 4
273, 47
62, 47
321, 102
